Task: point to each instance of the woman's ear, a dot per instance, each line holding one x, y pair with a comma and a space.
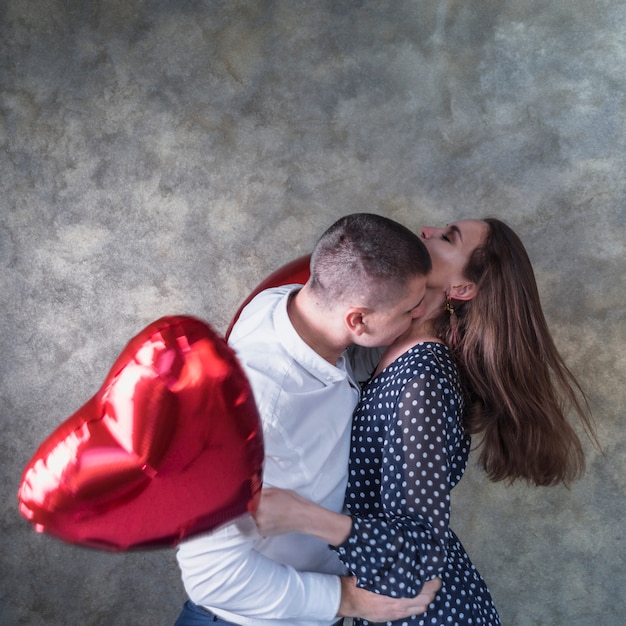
464, 291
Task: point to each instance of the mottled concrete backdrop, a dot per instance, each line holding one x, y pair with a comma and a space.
163, 157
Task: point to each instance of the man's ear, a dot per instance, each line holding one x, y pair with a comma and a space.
464, 291
355, 320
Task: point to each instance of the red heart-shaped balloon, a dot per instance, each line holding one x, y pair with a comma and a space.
170, 446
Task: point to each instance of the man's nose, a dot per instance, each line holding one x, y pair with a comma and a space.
418, 311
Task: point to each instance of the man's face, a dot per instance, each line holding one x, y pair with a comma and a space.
386, 325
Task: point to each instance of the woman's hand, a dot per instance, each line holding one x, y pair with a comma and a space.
283, 511
280, 511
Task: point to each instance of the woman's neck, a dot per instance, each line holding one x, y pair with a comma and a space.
421, 330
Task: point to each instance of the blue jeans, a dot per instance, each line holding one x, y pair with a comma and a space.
194, 615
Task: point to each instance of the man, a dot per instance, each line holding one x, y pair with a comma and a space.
368, 279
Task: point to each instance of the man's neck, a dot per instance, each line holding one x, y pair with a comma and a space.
313, 329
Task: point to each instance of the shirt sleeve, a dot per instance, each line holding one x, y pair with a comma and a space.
396, 552
222, 570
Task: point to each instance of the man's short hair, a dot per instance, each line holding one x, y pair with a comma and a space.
366, 259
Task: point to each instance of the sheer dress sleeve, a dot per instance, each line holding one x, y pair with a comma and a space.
403, 544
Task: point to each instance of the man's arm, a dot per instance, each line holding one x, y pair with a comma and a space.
222, 570
283, 511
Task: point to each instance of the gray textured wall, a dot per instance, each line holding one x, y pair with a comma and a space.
163, 157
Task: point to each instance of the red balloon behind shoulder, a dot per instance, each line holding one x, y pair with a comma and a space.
170, 446
294, 272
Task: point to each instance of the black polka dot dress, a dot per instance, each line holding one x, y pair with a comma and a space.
408, 452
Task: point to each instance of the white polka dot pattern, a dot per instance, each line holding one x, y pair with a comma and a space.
408, 451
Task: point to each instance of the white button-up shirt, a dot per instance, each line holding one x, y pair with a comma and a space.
306, 407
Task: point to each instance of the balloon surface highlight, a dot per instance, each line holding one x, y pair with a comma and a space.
170, 446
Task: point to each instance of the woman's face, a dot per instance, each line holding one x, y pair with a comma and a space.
450, 249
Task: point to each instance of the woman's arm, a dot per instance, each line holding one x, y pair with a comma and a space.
283, 511
404, 541
396, 551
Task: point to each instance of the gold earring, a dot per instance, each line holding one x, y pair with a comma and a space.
453, 338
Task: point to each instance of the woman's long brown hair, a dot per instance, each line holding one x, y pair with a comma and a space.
519, 388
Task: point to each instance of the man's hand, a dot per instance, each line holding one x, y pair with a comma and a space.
373, 607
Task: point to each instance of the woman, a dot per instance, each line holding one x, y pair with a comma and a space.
479, 362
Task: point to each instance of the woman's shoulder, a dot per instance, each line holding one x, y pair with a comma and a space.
420, 358
431, 359
430, 352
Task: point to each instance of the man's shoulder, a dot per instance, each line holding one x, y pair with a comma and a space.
262, 336
256, 321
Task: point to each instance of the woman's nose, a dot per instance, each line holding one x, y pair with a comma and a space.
428, 232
